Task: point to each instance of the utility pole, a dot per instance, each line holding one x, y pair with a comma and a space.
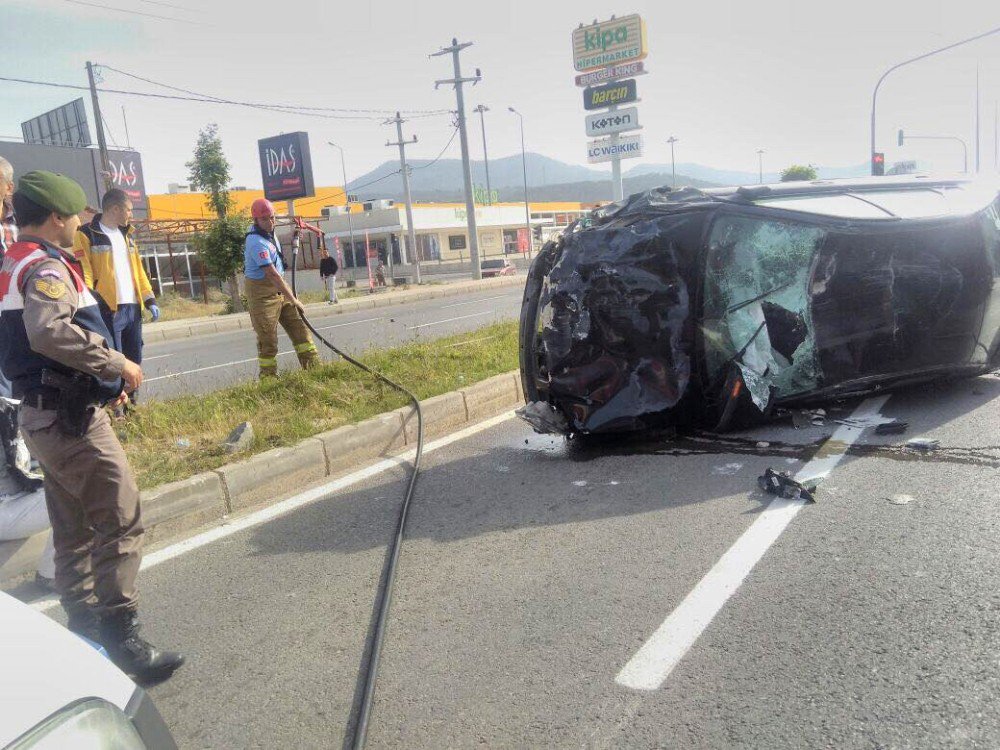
102, 144
481, 109
405, 171
673, 167
977, 118
760, 163
470, 206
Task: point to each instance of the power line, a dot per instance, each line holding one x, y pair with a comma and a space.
203, 100
135, 12
438, 157
423, 112
167, 5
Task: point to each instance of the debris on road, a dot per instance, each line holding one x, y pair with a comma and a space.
239, 439
923, 444
727, 469
780, 483
763, 444
896, 427
901, 499
542, 417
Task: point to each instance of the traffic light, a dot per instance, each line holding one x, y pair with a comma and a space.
878, 163
899, 138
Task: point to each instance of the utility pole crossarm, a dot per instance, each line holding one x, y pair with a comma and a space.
404, 170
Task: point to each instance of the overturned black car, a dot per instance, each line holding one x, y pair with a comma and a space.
709, 308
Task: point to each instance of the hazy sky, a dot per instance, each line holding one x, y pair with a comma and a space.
791, 76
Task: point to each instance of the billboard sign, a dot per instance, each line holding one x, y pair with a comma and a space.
126, 174
615, 72
286, 166
609, 123
628, 147
610, 94
616, 41
62, 126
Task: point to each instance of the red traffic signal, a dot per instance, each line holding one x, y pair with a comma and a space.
878, 163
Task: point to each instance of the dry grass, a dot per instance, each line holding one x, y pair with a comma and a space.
299, 404
173, 306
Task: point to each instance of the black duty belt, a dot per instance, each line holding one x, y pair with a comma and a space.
42, 398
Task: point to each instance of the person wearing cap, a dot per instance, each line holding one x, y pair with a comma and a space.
111, 265
269, 297
57, 349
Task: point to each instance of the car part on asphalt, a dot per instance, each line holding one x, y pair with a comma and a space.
692, 308
383, 600
780, 483
923, 444
897, 427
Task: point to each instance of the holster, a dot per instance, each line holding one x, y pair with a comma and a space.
76, 401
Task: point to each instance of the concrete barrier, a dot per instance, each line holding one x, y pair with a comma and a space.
490, 397
173, 509
268, 476
351, 446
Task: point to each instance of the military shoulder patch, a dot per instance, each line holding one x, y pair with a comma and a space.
49, 273
51, 289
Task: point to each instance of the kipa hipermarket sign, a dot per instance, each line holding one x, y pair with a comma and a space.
609, 43
286, 166
627, 147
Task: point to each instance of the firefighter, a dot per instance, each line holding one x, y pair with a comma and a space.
57, 350
270, 299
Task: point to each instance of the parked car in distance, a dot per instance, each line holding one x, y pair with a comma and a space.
58, 691
497, 267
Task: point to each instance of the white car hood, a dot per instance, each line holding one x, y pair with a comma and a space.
44, 667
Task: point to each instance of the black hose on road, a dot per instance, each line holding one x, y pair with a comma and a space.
383, 599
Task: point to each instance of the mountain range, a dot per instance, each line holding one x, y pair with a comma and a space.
550, 179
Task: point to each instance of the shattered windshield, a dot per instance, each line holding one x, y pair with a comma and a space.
756, 304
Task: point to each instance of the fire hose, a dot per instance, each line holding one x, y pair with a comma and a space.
383, 600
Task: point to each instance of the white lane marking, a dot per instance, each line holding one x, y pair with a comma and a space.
352, 323
271, 512
652, 664
158, 356
449, 320
474, 301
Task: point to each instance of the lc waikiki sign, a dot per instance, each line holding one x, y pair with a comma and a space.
286, 166
616, 41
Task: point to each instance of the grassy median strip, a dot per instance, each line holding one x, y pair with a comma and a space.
170, 440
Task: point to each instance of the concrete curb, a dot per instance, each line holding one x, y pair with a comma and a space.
193, 327
171, 510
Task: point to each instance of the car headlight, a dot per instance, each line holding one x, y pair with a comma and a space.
91, 724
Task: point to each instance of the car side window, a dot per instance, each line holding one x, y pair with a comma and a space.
756, 303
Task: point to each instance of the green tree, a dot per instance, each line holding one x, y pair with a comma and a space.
221, 245
798, 172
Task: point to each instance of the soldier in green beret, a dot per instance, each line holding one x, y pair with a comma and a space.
57, 350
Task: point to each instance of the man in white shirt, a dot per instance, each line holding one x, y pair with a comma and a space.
113, 269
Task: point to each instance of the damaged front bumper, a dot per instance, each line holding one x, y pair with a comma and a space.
708, 309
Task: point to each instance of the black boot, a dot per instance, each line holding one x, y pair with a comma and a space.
120, 636
83, 620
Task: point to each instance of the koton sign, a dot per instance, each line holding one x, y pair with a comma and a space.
627, 70
608, 123
286, 166
616, 41
610, 94
628, 147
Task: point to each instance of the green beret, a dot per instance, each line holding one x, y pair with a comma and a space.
55, 192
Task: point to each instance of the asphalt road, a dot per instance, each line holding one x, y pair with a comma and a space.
206, 363
536, 570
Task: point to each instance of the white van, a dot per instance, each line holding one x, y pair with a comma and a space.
59, 691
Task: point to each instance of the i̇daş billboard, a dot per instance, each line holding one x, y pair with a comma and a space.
286, 166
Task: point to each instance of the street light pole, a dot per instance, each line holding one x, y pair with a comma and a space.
470, 206
924, 56
965, 146
760, 164
524, 171
673, 168
481, 109
347, 202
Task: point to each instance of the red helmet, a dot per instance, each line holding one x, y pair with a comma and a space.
262, 208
